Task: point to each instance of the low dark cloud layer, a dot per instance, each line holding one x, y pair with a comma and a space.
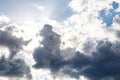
102, 64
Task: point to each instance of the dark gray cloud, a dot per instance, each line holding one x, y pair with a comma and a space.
88, 45
118, 34
13, 43
14, 68
11, 66
45, 56
117, 19
102, 64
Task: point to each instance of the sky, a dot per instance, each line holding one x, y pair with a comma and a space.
19, 11
59, 39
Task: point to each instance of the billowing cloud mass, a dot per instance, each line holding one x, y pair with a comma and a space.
10, 65
14, 68
84, 46
103, 63
45, 56
14, 44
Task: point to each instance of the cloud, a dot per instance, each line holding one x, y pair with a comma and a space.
89, 46
11, 37
39, 7
13, 43
44, 56
117, 19
101, 63
115, 26
84, 44
4, 20
86, 5
87, 22
14, 68
81, 4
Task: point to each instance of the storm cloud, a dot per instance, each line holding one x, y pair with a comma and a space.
101, 64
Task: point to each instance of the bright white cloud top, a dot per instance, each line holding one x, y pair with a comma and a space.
84, 44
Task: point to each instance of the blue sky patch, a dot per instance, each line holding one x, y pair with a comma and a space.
115, 5
18, 11
108, 15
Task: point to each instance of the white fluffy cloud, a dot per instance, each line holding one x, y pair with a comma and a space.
4, 20
85, 5
86, 24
